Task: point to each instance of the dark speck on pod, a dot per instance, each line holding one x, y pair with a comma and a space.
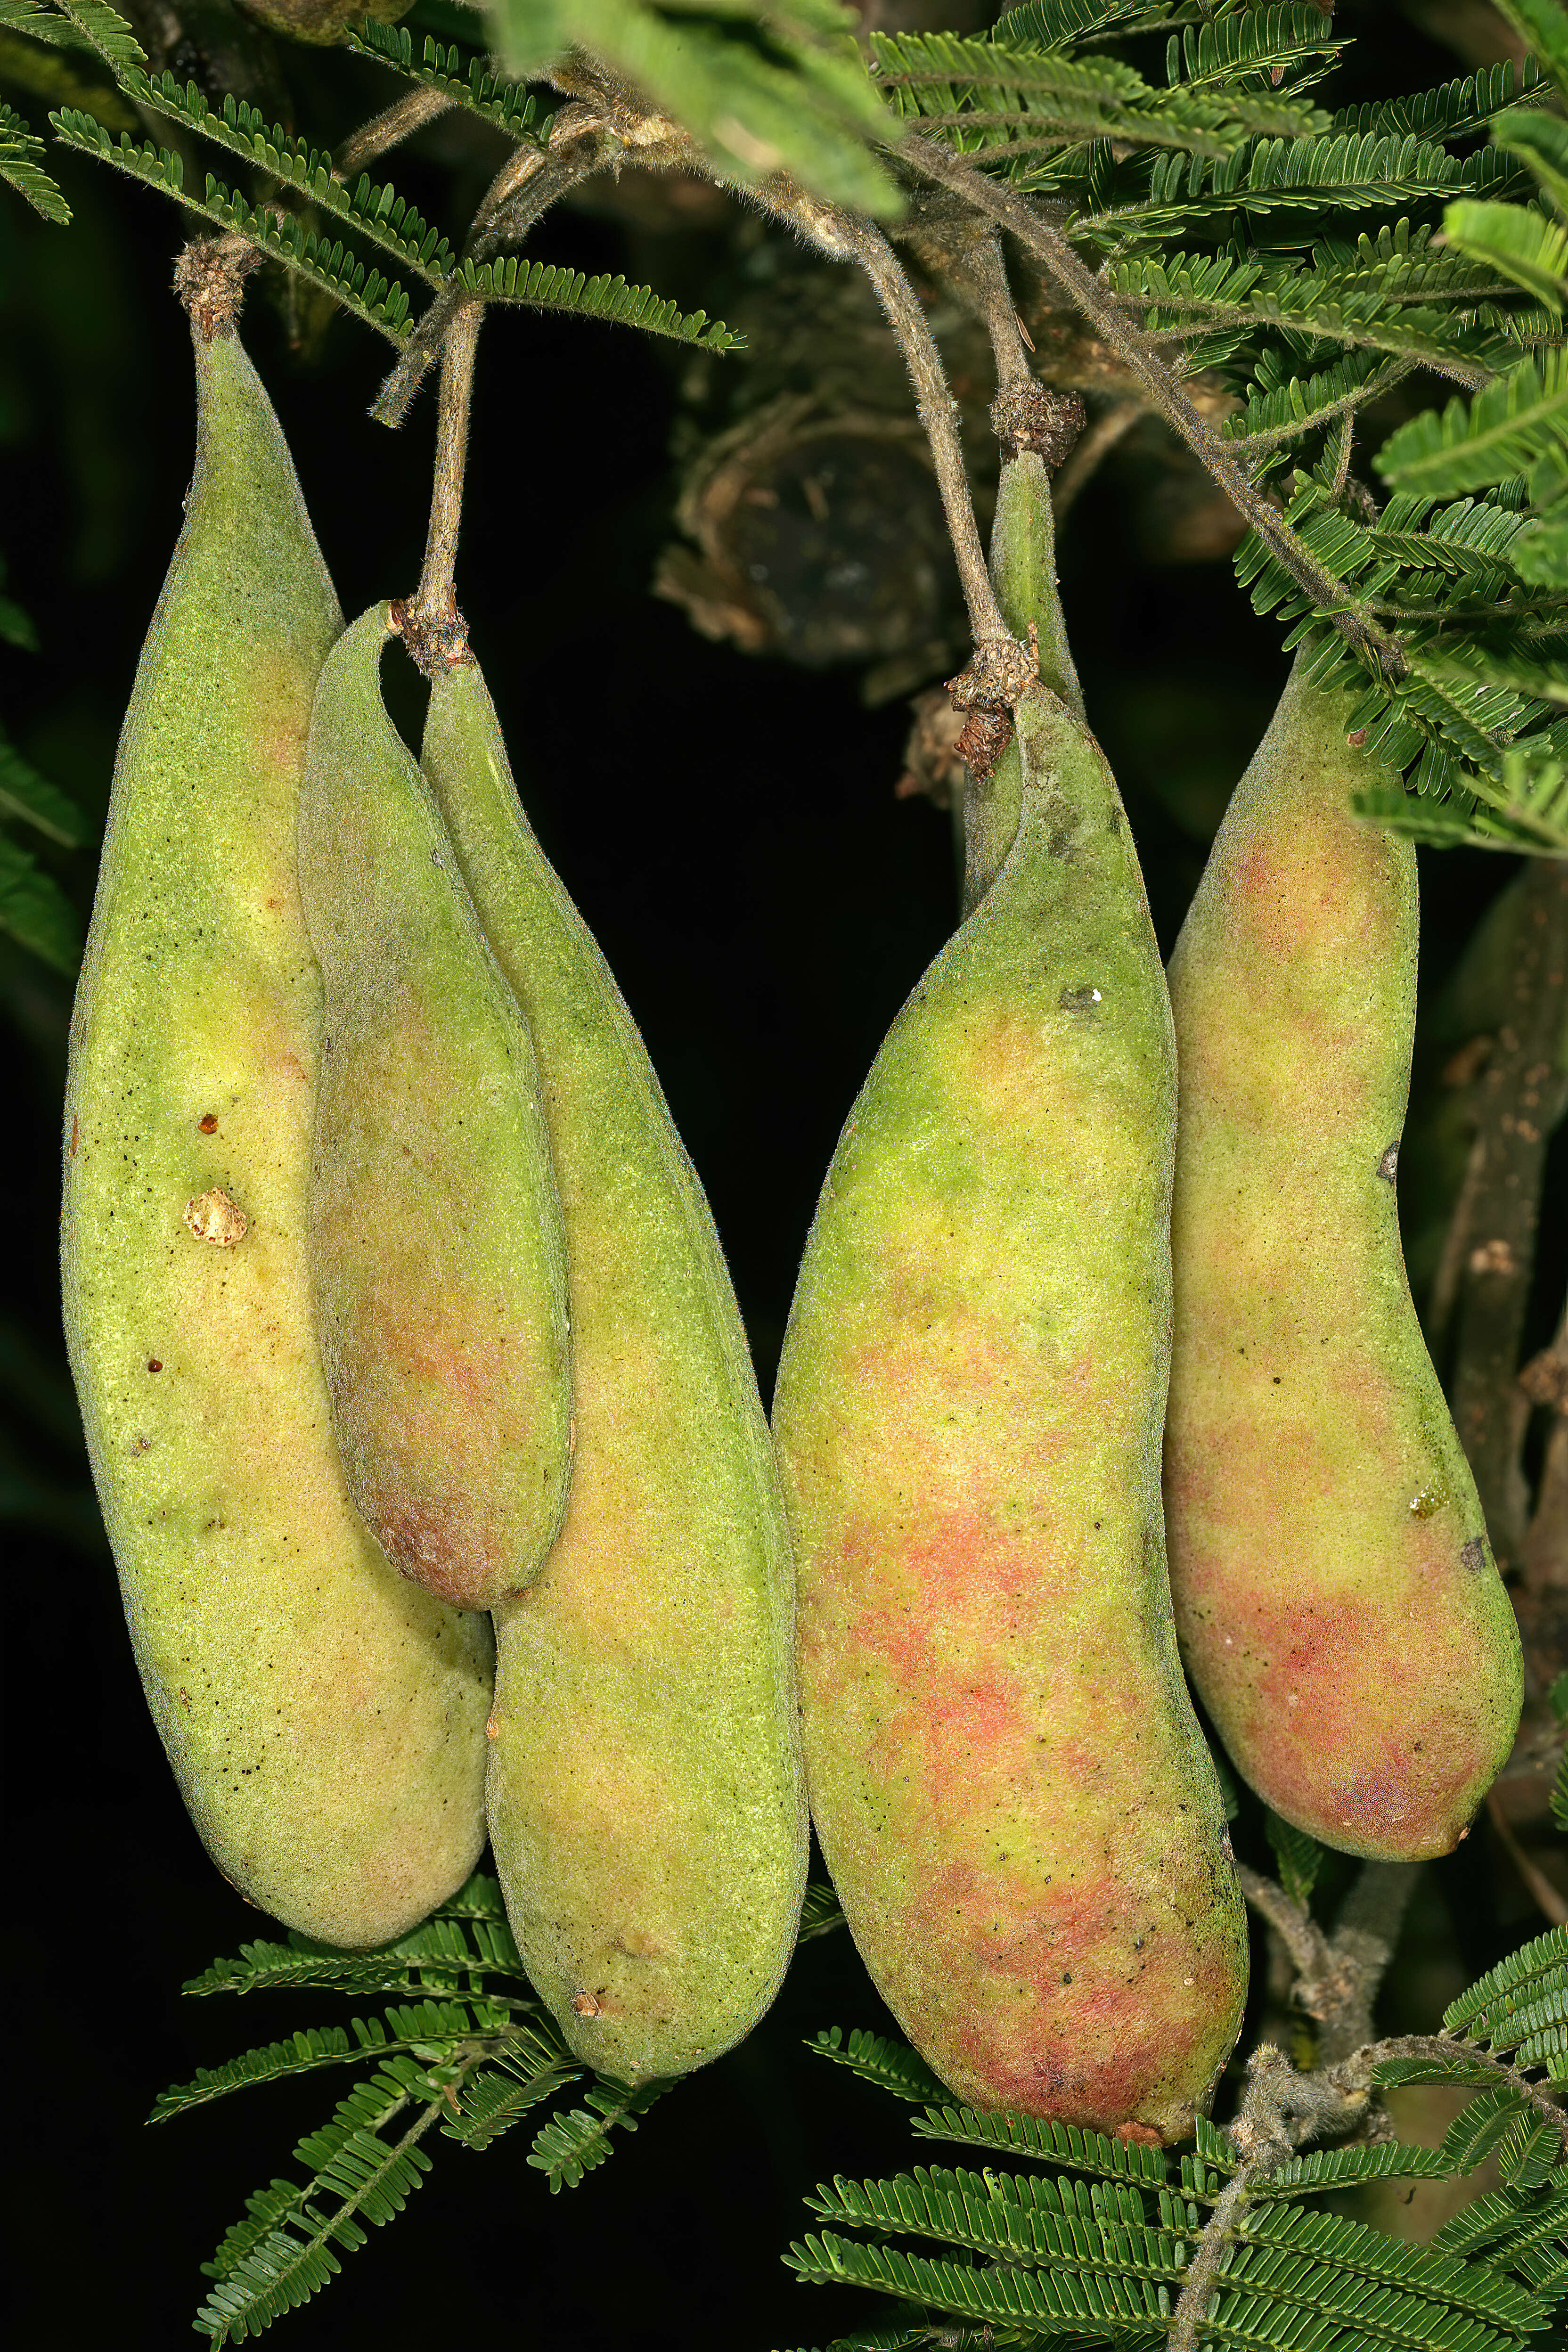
1474, 1554
1389, 1161
1080, 1000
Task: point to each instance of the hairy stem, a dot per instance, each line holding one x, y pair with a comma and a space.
432, 628
845, 236
1337, 1977
1280, 2111
1363, 1940
399, 121
1351, 2072
991, 296
1197, 2287
1084, 290
528, 184
1295, 1927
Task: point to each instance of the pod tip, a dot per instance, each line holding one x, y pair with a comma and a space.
209, 279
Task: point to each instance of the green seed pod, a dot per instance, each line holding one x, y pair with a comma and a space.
324, 1719
1011, 1790
645, 1797
1338, 1605
1024, 573
435, 1232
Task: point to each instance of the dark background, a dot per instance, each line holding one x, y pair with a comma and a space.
729, 829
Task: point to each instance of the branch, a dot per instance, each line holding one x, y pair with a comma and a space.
400, 121
1280, 2110
1353, 2070
1092, 450
1337, 1977
1501, 1208
1292, 1922
845, 236
1164, 394
530, 180
431, 623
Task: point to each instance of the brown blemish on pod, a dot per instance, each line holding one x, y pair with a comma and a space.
213, 1217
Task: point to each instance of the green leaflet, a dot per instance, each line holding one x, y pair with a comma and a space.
20, 149
573, 2144
1299, 1857
31, 797
473, 2059
1091, 2248
34, 910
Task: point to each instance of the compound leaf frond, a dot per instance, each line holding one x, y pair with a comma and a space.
876, 2058
20, 166
542, 285
468, 83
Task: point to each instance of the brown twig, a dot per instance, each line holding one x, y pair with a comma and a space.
1356, 2071
399, 121
1078, 283
530, 180
1337, 1977
431, 623
1280, 2111
1500, 1206
845, 236
1093, 449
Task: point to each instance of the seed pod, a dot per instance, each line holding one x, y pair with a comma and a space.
1338, 1605
1024, 573
434, 1231
645, 1795
324, 1720
1010, 1787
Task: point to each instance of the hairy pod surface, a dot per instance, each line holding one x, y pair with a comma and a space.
325, 1721
1010, 1786
645, 1795
434, 1234
1338, 1608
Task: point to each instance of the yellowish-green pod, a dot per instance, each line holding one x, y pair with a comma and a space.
1007, 1778
645, 1802
324, 1719
1339, 1608
435, 1232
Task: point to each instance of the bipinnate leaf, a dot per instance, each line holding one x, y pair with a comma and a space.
31, 797
20, 151
1299, 1857
36, 912
575, 2143
108, 32
1500, 432
1543, 27
893, 2065
820, 1911
1516, 242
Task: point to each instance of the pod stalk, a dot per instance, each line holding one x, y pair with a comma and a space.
433, 628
